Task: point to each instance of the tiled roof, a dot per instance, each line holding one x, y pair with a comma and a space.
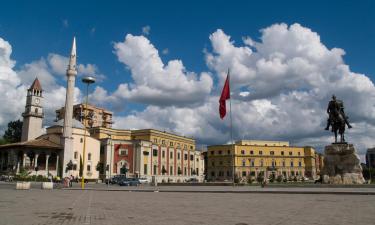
37, 143
36, 85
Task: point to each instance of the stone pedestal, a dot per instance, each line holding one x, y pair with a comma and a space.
342, 165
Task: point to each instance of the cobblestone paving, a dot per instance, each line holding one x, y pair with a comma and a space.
65, 207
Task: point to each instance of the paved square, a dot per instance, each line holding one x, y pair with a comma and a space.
122, 207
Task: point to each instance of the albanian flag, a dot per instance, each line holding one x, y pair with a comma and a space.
225, 94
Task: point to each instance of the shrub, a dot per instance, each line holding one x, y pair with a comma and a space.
279, 178
272, 178
260, 179
295, 179
250, 180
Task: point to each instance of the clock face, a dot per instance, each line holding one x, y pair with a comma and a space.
37, 101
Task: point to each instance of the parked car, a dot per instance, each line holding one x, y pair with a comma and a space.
116, 179
192, 180
129, 182
143, 180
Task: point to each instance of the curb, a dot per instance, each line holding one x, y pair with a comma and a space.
230, 192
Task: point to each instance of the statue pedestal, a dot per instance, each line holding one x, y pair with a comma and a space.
341, 165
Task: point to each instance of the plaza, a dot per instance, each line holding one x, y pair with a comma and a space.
183, 205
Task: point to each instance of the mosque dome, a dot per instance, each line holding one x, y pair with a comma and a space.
76, 124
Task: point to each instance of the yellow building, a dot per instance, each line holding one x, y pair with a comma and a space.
148, 153
254, 158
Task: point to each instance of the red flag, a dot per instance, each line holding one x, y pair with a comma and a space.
225, 94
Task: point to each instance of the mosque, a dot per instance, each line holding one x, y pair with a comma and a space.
76, 145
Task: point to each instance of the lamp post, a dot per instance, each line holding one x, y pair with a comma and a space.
87, 80
110, 160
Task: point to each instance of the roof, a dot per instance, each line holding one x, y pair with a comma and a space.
36, 85
37, 143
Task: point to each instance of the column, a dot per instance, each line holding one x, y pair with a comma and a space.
24, 160
47, 157
36, 160
57, 164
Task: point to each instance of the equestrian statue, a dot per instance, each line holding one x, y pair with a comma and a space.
337, 118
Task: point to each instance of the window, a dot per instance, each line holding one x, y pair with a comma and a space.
243, 162
283, 163
171, 144
74, 166
260, 153
228, 173
299, 153
185, 171
212, 152
155, 140
252, 173
171, 155
290, 153
88, 168
228, 152
252, 163
251, 152
282, 152
191, 157
163, 142
123, 152
145, 168
261, 163
163, 154
81, 140
191, 147
213, 163
273, 164
171, 170
75, 155
197, 171
242, 152
155, 152
185, 157
89, 156
155, 169
221, 163
300, 164
244, 173
212, 173
272, 153
178, 155
220, 152
36, 110
291, 164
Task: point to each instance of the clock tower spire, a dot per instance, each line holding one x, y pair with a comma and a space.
33, 115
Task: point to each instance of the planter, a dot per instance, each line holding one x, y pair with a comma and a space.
47, 185
22, 185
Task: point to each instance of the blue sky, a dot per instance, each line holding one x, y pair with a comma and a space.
182, 30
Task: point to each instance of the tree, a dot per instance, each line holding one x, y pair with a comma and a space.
163, 170
14, 131
80, 166
100, 167
124, 170
69, 166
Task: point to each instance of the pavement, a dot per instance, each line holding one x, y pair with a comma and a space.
65, 207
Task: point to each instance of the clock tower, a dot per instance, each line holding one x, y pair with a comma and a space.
33, 115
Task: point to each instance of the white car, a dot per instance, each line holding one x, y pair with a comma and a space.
143, 180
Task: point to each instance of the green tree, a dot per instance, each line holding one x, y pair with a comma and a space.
3, 141
14, 131
100, 167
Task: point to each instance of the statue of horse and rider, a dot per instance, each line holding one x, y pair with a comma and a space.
337, 118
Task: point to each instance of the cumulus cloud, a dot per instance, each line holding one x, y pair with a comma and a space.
59, 63
155, 82
280, 89
146, 30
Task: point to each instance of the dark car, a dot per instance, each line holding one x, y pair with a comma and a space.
116, 179
192, 180
129, 182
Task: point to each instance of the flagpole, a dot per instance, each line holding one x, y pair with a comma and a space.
231, 132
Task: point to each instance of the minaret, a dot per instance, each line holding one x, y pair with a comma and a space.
71, 74
33, 115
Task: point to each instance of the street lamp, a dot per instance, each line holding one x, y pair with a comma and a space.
87, 80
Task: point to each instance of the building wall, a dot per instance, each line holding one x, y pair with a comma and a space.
252, 160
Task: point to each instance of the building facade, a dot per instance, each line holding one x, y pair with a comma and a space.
259, 158
91, 116
149, 153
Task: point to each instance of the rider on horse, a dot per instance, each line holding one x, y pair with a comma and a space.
334, 110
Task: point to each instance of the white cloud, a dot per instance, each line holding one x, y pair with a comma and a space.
165, 51
157, 83
59, 63
146, 30
281, 86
